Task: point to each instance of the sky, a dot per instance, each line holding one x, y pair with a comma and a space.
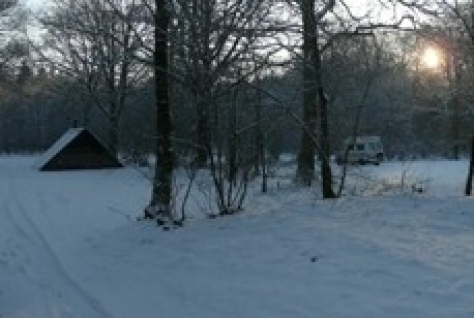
35, 4
359, 6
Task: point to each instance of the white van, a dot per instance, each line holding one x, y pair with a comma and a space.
361, 150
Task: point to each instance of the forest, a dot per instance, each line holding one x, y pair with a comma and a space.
230, 86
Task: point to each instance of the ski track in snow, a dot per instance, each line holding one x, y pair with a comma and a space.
33, 237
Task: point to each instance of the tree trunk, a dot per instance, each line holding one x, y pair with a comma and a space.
325, 154
468, 191
201, 11
453, 74
306, 162
232, 153
162, 181
261, 161
113, 135
314, 99
202, 134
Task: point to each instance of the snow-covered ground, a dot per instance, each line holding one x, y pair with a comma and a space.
70, 246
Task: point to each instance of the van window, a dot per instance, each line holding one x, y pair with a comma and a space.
360, 147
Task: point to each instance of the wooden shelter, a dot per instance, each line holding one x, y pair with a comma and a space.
78, 148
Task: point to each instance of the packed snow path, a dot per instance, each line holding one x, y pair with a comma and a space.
70, 246
29, 259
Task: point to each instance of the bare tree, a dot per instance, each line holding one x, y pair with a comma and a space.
459, 15
161, 199
323, 23
217, 46
91, 42
463, 14
315, 99
13, 21
212, 39
108, 44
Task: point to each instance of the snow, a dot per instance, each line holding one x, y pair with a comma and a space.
70, 246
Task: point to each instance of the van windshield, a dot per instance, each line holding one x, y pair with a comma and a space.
357, 147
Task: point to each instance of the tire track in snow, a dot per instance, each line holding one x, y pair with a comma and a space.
33, 233
12, 245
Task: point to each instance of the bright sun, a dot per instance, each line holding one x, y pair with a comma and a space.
431, 58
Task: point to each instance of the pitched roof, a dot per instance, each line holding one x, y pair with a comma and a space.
54, 150
77, 148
